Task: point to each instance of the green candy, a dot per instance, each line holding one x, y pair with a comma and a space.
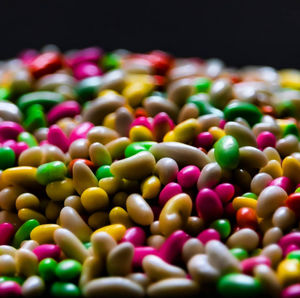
239, 253
47, 268
291, 129
104, 172
298, 189
4, 93
27, 138
110, 61
47, 99
51, 171
227, 152
245, 110
35, 118
286, 108
137, 147
294, 255
87, 245
239, 285
250, 195
222, 226
88, 88
204, 108
64, 289
16, 279
7, 158
24, 231
67, 270
203, 84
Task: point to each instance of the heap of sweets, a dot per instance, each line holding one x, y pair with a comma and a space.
143, 175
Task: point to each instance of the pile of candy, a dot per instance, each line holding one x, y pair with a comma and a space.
142, 175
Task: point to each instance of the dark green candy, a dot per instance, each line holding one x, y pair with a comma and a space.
227, 152
51, 171
239, 285
35, 118
291, 129
67, 270
4, 93
110, 61
47, 99
64, 289
88, 88
245, 110
47, 268
7, 158
24, 231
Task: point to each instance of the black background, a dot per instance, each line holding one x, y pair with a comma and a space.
239, 32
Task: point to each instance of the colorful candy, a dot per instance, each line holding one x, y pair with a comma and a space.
143, 175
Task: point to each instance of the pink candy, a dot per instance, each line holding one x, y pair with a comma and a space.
80, 131
209, 234
204, 140
17, 147
249, 264
85, 70
171, 249
65, 109
265, 139
140, 253
6, 233
169, 191
225, 191
47, 251
10, 289
92, 54
283, 182
135, 235
292, 291
188, 176
162, 124
289, 239
208, 205
141, 121
58, 138
9, 130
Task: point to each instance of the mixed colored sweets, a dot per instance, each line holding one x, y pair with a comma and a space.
145, 175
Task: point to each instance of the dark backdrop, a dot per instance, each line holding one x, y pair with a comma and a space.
239, 32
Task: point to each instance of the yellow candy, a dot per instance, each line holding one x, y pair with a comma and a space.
291, 168
288, 272
110, 184
107, 92
94, 199
27, 200
216, 132
118, 215
136, 92
142, 78
186, 130
175, 213
140, 133
240, 202
44, 233
170, 136
26, 214
24, 176
150, 187
290, 78
110, 120
272, 168
52, 210
59, 190
117, 147
119, 199
116, 231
